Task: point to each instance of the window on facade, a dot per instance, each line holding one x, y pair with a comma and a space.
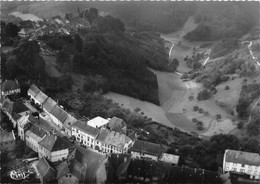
242, 170
243, 165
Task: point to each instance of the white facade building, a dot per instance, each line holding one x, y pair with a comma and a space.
242, 162
85, 134
97, 122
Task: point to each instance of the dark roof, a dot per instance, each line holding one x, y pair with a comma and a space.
10, 85
77, 164
53, 142
41, 97
132, 135
74, 165
242, 157
147, 147
41, 123
49, 104
46, 170
117, 125
6, 136
33, 90
37, 130
159, 172
86, 128
14, 108
59, 113
19, 107
63, 169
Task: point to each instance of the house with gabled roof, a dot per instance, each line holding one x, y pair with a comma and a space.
65, 174
144, 149
58, 115
49, 105
40, 98
109, 141
241, 162
84, 133
73, 170
33, 135
26, 32
27, 120
46, 170
54, 147
68, 124
33, 91
9, 87
14, 110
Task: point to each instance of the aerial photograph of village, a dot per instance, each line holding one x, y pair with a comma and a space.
130, 92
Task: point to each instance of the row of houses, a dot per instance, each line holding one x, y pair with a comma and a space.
58, 115
123, 168
105, 135
47, 27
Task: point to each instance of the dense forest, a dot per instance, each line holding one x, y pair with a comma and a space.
113, 57
223, 20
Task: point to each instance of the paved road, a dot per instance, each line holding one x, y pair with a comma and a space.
250, 116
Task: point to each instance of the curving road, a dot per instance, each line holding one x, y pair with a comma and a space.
250, 50
250, 116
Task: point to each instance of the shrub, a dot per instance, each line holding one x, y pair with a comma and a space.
240, 125
206, 113
191, 98
227, 88
200, 125
203, 95
218, 117
137, 109
252, 129
194, 120
201, 110
195, 108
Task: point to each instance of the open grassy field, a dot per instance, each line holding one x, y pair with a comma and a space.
229, 97
27, 16
148, 109
50, 66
